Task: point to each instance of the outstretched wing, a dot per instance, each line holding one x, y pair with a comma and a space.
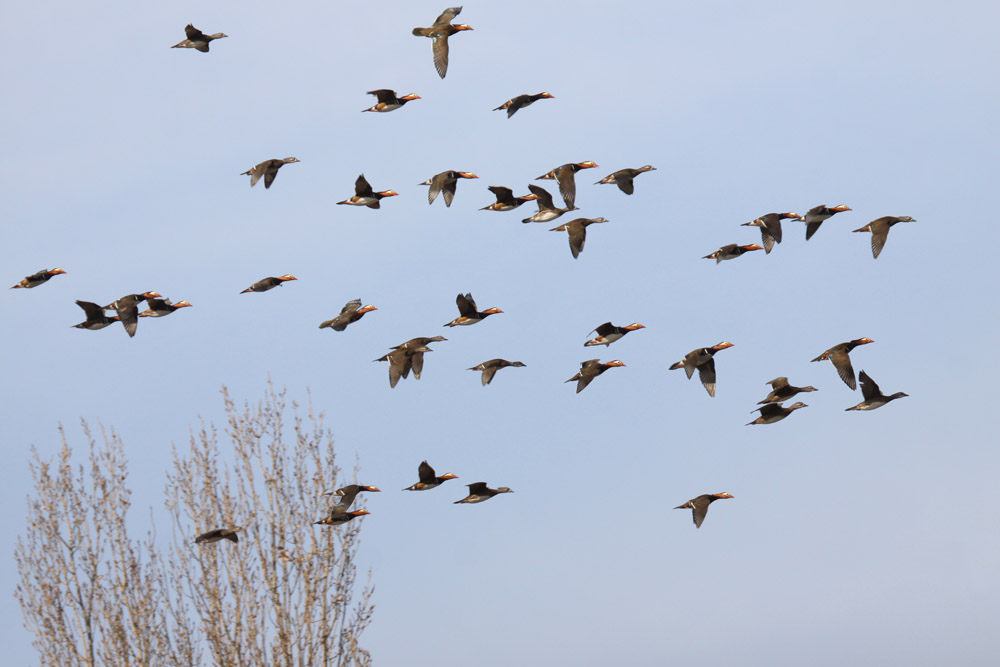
706, 373
447, 16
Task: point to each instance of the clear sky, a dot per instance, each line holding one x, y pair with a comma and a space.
853, 538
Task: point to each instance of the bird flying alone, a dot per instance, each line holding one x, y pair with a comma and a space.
197, 40
522, 101
880, 230
36, 279
387, 100
439, 34
268, 169
699, 506
269, 283
467, 313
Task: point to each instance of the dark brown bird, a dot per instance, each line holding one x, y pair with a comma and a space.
439, 34
577, 230
874, 398
445, 182
817, 215
338, 518
565, 175
838, 356
774, 412
506, 201
96, 319
268, 169
467, 313
421, 341
349, 493
479, 492
365, 196
731, 251
219, 534
623, 178
880, 230
591, 369
700, 505
265, 284
547, 210
489, 368
770, 228
196, 39
403, 360
428, 480
350, 313
162, 307
608, 333
703, 360
127, 308
521, 101
782, 391
36, 279
387, 100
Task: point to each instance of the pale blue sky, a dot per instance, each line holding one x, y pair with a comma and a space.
853, 538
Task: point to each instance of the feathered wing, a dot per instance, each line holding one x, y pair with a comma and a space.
488, 374
842, 362
880, 233
466, 305
567, 186
439, 46
624, 183
706, 373
447, 16
869, 389
449, 191
362, 188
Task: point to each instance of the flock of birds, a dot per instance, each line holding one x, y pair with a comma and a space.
408, 357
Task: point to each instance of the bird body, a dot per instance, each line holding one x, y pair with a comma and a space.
770, 228
841, 360
703, 360
577, 230
269, 283
162, 307
268, 169
387, 100
197, 40
364, 195
467, 313
439, 34
489, 368
782, 391
589, 370
547, 210
445, 182
350, 313
219, 534
623, 178
479, 492
874, 398
731, 251
880, 230
506, 201
427, 478
608, 333
565, 175
512, 105
775, 412
815, 217
36, 279
699, 506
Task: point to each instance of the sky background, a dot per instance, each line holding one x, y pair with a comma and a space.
853, 538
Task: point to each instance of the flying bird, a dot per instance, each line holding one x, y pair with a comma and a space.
608, 333
506, 201
467, 313
350, 313
874, 398
265, 284
387, 100
577, 230
365, 196
428, 480
547, 210
439, 34
731, 251
770, 228
623, 178
445, 182
839, 357
699, 506
703, 360
815, 217
489, 368
219, 534
564, 175
521, 101
880, 230
36, 279
268, 169
196, 39
589, 370
479, 492
782, 391
775, 412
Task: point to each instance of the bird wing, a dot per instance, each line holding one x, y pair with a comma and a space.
128, 313
193, 33
439, 46
351, 306
869, 389
516, 103
565, 176
777, 383
488, 374
604, 329
435, 188
477, 488
583, 380
362, 188
842, 362
466, 305
256, 172
699, 509
91, 310
691, 362
811, 228
879, 235
350, 493
577, 237
384, 95
544, 197
270, 172
415, 362
503, 195
426, 472
449, 191
624, 182
706, 373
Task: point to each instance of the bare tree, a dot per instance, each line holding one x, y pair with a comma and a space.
283, 593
